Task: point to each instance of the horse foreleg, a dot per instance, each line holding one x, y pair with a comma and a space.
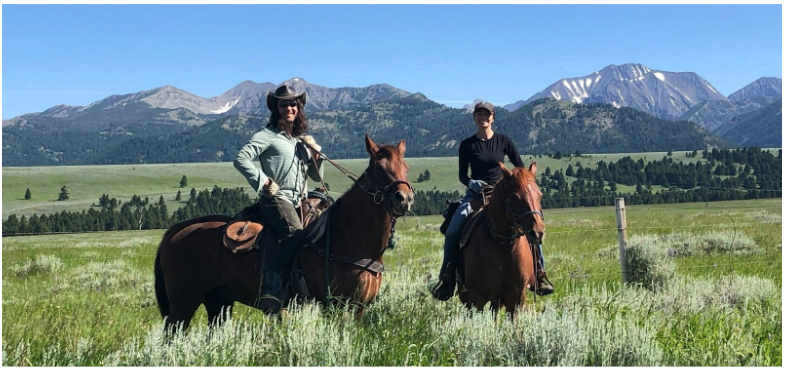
359, 313
178, 320
472, 299
218, 312
180, 313
512, 311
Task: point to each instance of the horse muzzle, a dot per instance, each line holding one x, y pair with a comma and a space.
535, 236
401, 202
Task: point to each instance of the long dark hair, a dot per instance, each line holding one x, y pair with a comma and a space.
300, 122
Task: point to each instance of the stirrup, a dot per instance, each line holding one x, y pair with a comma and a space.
442, 291
548, 286
270, 304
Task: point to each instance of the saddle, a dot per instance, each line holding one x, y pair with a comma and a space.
242, 233
477, 204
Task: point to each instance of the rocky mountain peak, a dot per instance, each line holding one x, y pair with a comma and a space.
770, 87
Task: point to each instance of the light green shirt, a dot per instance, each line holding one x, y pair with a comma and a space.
282, 158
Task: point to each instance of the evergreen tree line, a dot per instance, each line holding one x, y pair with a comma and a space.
137, 214
748, 168
760, 177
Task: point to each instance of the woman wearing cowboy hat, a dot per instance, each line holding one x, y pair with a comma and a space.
481, 152
281, 183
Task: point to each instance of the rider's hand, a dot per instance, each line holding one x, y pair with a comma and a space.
308, 139
477, 185
270, 189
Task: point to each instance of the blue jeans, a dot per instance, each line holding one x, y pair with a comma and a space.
452, 237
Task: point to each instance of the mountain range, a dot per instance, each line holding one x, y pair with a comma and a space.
431, 130
169, 105
660, 93
338, 114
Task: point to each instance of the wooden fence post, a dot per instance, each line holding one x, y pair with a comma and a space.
621, 223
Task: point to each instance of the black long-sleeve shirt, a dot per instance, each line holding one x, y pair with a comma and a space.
483, 156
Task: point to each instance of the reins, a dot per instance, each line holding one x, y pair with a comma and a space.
519, 232
343, 169
379, 195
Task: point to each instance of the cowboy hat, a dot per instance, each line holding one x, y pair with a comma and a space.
285, 92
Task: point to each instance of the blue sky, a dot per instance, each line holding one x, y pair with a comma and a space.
78, 54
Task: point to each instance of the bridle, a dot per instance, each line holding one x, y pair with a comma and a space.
516, 217
383, 194
380, 194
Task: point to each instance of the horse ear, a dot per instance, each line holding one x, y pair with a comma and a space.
505, 172
370, 146
402, 146
533, 168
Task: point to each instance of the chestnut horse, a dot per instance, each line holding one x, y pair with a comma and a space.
497, 260
192, 267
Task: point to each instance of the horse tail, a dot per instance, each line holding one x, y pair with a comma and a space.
160, 286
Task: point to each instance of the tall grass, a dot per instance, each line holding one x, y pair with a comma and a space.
93, 304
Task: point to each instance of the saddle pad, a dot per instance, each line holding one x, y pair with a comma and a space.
316, 228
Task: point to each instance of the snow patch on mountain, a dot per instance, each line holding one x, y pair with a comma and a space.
663, 94
225, 108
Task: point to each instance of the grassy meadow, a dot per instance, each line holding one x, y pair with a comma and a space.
87, 183
708, 293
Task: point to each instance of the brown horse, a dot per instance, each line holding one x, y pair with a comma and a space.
497, 261
192, 266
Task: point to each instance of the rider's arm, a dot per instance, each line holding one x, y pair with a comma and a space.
512, 153
463, 164
245, 157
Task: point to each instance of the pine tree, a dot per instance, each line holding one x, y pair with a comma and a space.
178, 196
63, 193
28, 195
183, 182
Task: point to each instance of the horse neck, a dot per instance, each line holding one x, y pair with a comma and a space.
364, 225
497, 215
519, 251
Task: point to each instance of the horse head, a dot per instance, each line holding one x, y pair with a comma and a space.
519, 196
387, 173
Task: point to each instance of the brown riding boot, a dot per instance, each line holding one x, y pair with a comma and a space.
544, 286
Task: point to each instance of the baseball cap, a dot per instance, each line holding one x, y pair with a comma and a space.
484, 105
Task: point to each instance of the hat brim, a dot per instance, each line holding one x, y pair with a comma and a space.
272, 100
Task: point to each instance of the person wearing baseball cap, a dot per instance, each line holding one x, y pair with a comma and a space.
286, 156
481, 153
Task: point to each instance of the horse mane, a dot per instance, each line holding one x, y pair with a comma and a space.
522, 174
519, 176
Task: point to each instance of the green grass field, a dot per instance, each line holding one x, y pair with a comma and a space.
87, 183
87, 299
